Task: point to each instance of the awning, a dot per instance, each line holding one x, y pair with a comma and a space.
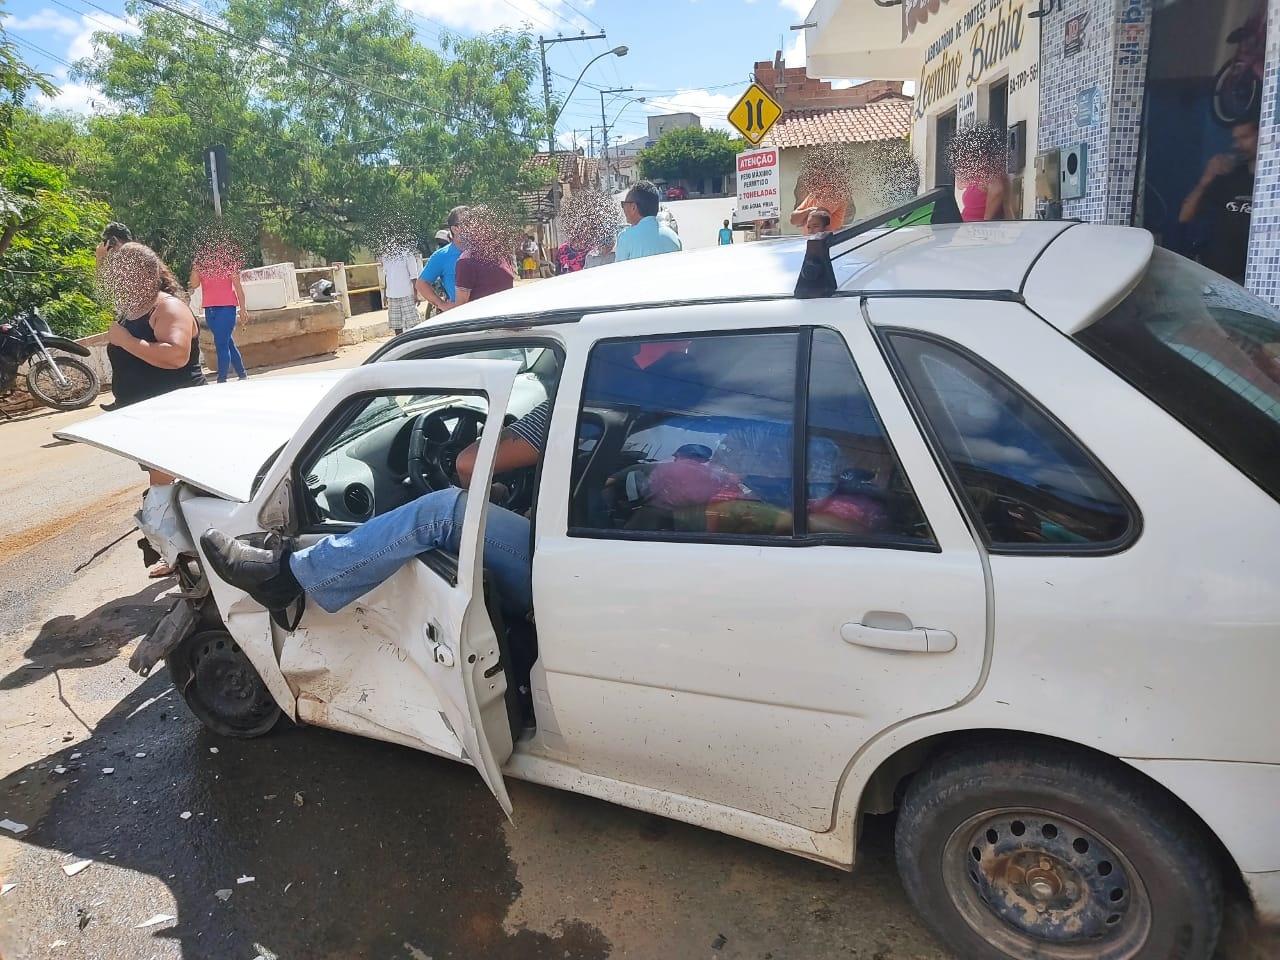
859, 39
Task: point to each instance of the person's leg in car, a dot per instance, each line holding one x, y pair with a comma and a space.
340, 568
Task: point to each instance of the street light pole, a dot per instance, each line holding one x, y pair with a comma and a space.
607, 125
543, 43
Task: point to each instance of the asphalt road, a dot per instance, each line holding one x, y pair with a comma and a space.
311, 844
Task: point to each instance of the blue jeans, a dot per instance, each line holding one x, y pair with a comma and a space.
222, 324
340, 568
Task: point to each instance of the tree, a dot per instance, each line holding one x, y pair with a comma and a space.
339, 125
48, 229
690, 153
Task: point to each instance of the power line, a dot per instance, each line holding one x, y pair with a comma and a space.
41, 50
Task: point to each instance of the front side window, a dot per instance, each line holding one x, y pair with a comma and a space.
1208, 353
1028, 482
698, 437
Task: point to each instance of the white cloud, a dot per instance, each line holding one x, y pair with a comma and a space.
82, 43
795, 53
75, 98
800, 8
45, 19
711, 107
548, 17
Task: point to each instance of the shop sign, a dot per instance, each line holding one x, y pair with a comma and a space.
1088, 107
759, 184
1073, 39
982, 39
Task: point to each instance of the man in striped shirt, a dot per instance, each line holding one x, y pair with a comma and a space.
340, 568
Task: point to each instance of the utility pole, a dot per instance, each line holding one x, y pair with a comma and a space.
604, 126
543, 43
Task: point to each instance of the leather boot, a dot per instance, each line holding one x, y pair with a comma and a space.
261, 572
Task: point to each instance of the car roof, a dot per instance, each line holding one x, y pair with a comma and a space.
993, 260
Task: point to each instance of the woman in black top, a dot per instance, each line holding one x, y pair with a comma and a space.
154, 346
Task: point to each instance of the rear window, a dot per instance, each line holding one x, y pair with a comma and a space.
1208, 352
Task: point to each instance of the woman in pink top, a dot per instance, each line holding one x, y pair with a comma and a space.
216, 271
978, 156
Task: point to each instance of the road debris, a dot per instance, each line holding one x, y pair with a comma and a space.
76, 756
139, 756
719, 942
5, 888
213, 749
245, 879
108, 770
297, 799
224, 894
152, 921
71, 869
13, 826
185, 815
59, 769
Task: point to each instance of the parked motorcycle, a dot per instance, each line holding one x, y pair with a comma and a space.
56, 381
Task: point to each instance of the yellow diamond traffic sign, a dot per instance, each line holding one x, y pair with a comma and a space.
754, 113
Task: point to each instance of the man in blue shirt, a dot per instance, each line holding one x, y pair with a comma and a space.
442, 267
645, 237
726, 235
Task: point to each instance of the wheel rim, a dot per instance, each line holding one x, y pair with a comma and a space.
46, 384
226, 689
1030, 881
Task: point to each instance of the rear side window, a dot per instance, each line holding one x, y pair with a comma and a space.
1029, 483
1206, 351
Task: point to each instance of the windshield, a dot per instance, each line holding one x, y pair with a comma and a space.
1208, 352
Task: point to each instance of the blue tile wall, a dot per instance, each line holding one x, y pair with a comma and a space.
1262, 275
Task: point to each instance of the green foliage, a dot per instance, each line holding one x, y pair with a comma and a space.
690, 154
48, 229
48, 263
326, 164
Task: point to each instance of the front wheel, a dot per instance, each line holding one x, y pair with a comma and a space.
221, 686
80, 389
1014, 853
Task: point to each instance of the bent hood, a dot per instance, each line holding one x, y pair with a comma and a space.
215, 437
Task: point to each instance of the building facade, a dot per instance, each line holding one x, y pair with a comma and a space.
1136, 97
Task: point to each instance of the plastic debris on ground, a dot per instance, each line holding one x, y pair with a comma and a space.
13, 826
297, 799
224, 895
71, 869
76, 756
245, 879
152, 921
213, 749
5, 888
185, 815
108, 770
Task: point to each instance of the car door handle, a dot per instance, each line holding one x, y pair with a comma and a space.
910, 640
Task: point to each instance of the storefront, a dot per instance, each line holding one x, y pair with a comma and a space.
1138, 96
972, 61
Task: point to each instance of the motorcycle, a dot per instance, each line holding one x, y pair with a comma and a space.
56, 381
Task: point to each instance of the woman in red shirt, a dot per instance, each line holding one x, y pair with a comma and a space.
216, 271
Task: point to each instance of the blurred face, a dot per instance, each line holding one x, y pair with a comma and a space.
1245, 138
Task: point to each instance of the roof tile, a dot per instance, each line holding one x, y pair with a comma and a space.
888, 118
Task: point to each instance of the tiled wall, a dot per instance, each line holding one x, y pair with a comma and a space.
1095, 96
1262, 275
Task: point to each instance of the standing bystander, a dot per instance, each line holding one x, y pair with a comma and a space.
215, 272
645, 237
442, 267
399, 270
484, 266
725, 236
1225, 193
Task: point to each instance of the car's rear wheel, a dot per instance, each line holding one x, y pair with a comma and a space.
221, 686
1014, 853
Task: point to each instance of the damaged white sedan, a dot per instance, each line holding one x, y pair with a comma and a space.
974, 522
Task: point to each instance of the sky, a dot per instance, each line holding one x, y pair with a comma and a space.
683, 55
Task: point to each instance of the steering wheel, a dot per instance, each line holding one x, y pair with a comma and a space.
433, 455
434, 446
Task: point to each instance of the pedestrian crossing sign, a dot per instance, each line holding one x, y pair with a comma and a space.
754, 113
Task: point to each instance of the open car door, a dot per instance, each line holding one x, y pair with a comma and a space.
416, 660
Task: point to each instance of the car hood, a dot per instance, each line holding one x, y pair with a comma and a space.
215, 437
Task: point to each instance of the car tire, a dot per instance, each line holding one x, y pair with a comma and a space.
221, 686
1013, 851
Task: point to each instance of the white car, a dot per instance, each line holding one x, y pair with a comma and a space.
977, 522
